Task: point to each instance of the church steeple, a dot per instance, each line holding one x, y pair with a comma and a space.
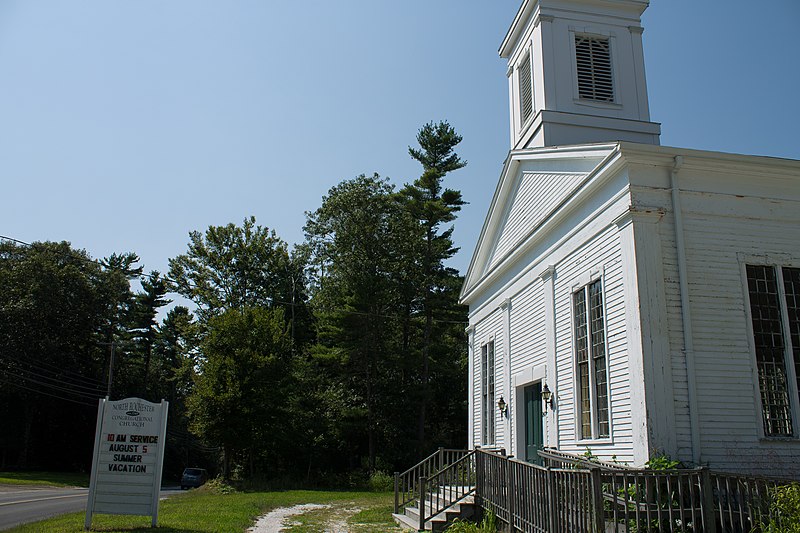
576, 73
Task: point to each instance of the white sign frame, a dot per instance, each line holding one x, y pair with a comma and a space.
130, 438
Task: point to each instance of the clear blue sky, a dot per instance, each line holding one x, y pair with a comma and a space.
126, 124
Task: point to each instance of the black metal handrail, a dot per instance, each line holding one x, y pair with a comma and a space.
448, 486
407, 484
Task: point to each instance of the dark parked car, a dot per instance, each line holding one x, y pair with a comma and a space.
193, 477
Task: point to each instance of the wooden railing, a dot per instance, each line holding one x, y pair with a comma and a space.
556, 459
407, 484
582, 496
535, 499
742, 502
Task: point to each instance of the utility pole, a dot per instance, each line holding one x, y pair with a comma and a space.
294, 280
111, 369
113, 348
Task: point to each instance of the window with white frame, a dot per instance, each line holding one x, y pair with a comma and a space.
487, 393
591, 361
774, 293
525, 84
595, 73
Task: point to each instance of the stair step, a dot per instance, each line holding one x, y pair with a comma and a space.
463, 508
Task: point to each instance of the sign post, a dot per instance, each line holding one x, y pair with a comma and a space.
128, 458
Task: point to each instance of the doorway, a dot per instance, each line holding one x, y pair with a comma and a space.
534, 429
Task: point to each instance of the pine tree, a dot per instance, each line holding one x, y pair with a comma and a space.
433, 205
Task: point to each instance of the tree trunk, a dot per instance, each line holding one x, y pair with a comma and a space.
26, 435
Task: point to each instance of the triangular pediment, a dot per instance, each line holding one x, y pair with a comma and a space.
534, 184
535, 196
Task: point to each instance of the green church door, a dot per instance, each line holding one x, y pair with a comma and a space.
534, 431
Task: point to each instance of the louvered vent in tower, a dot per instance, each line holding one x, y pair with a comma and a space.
525, 89
593, 55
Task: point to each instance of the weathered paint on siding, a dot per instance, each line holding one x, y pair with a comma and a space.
721, 229
726, 393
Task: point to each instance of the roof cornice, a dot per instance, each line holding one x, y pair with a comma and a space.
707, 160
528, 7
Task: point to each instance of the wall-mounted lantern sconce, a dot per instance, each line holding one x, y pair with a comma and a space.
547, 396
502, 405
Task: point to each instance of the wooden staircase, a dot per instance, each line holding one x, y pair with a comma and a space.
409, 519
436, 491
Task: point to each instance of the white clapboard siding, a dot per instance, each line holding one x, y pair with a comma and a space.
600, 254
534, 199
528, 335
490, 328
528, 328
729, 417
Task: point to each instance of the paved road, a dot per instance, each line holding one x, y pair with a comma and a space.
21, 504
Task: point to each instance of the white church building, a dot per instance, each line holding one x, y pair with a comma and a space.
628, 298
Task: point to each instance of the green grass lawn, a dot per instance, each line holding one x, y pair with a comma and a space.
202, 510
55, 479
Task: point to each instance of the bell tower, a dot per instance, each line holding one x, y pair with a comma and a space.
576, 73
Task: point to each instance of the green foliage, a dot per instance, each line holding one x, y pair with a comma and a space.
54, 305
232, 267
237, 398
488, 524
381, 482
661, 461
589, 456
784, 510
218, 485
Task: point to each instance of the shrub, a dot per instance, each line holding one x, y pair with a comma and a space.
784, 510
662, 461
219, 486
487, 525
381, 482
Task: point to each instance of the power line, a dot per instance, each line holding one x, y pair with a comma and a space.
59, 382
39, 391
88, 381
52, 386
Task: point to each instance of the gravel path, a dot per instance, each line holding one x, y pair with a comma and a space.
274, 521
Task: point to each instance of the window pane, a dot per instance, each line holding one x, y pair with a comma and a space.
484, 401
768, 336
791, 284
599, 356
582, 362
490, 399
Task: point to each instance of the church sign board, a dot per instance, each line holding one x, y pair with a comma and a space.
128, 458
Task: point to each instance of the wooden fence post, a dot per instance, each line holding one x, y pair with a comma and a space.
599, 518
511, 494
422, 496
707, 493
396, 492
551, 501
441, 459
